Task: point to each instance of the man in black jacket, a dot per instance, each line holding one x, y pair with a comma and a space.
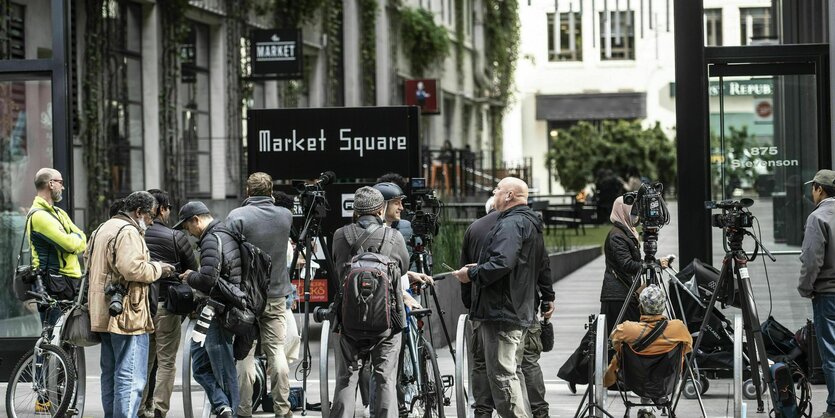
213, 357
505, 279
172, 247
368, 205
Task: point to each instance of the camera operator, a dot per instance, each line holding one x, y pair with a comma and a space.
267, 226
369, 207
817, 274
168, 246
120, 272
213, 358
504, 292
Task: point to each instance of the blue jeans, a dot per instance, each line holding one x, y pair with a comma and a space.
124, 364
823, 308
213, 366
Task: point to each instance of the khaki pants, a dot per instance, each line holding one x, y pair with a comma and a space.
163, 346
534, 382
273, 334
503, 345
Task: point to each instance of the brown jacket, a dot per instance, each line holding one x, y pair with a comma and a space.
630, 332
132, 268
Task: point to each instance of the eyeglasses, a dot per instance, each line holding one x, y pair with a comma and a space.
58, 181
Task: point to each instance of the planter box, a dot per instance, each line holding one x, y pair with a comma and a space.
565, 263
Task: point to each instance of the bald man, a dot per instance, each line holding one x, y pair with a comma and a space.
504, 285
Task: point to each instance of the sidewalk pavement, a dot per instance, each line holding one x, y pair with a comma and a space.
577, 297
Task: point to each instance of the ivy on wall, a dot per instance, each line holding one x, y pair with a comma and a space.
501, 32
237, 14
459, 40
332, 27
424, 41
368, 51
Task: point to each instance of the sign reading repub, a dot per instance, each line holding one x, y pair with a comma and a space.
354, 142
277, 52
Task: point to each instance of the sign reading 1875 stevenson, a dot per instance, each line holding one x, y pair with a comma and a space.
277, 52
354, 142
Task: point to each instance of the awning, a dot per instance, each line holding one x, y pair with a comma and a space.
591, 106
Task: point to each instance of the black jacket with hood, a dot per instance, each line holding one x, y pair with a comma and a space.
512, 264
169, 246
623, 261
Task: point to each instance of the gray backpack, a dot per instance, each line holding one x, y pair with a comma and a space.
367, 296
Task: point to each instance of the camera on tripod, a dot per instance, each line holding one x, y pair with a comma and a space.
649, 206
733, 213
310, 193
427, 209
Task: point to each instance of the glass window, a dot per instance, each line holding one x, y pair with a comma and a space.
25, 147
27, 33
617, 35
713, 27
194, 101
123, 112
755, 25
565, 38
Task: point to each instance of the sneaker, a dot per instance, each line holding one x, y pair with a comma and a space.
225, 412
41, 407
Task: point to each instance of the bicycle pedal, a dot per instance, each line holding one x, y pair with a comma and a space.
448, 381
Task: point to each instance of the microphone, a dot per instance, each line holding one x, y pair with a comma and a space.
325, 178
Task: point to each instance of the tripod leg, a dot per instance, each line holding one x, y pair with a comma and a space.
629, 296
756, 345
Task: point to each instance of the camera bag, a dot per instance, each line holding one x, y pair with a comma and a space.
77, 329
367, 293
250, 301
180, 299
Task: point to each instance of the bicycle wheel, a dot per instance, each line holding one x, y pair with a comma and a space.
42, 384
430, 401
80, 361
463, 386
188, 383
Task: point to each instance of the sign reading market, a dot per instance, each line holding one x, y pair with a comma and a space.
277, 53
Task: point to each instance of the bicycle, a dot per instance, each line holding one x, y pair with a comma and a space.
50, 379
420, 386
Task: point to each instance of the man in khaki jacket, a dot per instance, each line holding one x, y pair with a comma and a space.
120, 272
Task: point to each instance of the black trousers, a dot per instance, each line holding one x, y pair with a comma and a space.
612, 308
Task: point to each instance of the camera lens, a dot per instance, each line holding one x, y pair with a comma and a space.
116, 306
321, 314
202, 325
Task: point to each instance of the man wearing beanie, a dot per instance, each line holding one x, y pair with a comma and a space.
368, 233
652, 303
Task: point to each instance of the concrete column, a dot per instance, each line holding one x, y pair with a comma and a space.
217, 109
351, 52
383, 61
271, 94
318, 79
150, 96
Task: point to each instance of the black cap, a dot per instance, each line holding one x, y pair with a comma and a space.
190, 210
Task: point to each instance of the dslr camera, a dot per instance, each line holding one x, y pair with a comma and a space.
734, 214
310, 193
648, 204
117, 294
427, 209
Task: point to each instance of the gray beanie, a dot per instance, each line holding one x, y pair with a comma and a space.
368, 200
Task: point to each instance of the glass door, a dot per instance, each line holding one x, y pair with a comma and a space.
766, 140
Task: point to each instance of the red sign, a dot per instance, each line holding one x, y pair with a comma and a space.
318, 290
424, 94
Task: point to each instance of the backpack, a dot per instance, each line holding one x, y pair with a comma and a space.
256, 267
367, 293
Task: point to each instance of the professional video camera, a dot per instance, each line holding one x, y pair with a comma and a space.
427, 209
309, 193
734, 214
648, 204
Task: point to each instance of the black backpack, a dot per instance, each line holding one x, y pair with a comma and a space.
256, 267
367, 293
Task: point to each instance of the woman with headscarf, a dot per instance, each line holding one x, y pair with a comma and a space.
623, 261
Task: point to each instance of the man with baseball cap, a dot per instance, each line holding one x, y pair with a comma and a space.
213, 359
817, 274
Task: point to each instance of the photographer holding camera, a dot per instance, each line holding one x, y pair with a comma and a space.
817, 274
120, 273
211, 346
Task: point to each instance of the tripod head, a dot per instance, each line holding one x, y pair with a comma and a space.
734, 222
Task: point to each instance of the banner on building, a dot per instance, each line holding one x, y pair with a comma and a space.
423, 94
277, 53
355, 143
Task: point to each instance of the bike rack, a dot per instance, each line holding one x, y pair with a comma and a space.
185, 368
324, 394
738, 366
463, 385
601, 362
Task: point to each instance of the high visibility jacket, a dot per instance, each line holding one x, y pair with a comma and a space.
54, 240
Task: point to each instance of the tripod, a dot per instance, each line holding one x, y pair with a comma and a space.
650, 273
592, 400
735, 267
304, 246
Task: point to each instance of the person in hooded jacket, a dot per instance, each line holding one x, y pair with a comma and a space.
504, 292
